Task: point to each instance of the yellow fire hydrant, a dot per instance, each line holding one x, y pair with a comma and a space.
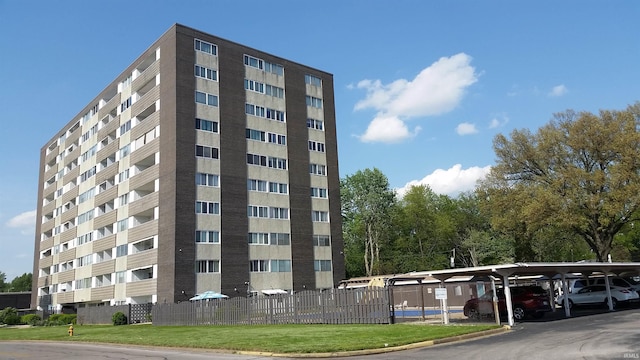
71, 330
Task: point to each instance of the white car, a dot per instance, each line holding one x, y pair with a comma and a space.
597, 294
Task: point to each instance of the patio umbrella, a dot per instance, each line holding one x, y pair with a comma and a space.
208, 295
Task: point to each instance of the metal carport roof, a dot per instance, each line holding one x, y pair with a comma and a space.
504, 271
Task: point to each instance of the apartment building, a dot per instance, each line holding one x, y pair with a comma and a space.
205, 165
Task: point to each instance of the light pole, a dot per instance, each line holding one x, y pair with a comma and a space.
452, 260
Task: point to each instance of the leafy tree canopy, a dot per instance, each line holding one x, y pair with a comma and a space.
580, 173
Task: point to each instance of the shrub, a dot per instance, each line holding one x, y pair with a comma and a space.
31, 319
119, 318
9, 316
61, 319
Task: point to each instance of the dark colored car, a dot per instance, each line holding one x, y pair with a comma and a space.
526, 300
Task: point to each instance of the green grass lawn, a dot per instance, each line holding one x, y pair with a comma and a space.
268, 338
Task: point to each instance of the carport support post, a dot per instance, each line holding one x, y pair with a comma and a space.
608, 286
494, 301
552, 291
445, 309
507, 297
565, 295
422, 297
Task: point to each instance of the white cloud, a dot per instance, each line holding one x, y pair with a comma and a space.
466, 129
451, 181
436, 90
387, 130
498, 121
558, 91
26, 219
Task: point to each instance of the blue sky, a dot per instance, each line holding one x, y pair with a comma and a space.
421, 87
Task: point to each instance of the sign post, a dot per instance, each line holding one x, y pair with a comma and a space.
441, 294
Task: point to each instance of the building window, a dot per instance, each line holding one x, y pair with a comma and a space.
319, 216
86, 238
263, 65
278, 188
256, 185
253, 85
273, 68
321, 240
275, 115
123, 199
89, 153
85, 260
253, 159
206, 152
277, 163
258, 211
279, 239
83, 283
123, 225
316, 146
318, 169
121, 277
312, 80
253, 62
259, 238
87, 174
206, 125
203, 179
84, 217
206, 47
277, 139
259, 266
274, 91
322, 265
315, 124
124, 151
207, 236
206, 73
314, 102
207, 266
280, 265
260, 111
319, 192
207, 99
254, 110
125, 104
125, 127
255, 134
278, 213
123, 176
121, 250
207, 207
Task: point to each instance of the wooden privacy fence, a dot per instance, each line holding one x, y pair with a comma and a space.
336, 306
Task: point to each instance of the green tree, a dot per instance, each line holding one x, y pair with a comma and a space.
21, 283
366, 205
579, 173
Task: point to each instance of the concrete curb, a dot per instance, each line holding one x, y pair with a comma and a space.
479, 334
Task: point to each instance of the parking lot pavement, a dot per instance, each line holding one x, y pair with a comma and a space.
590, 334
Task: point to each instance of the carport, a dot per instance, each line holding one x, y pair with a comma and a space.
551, 271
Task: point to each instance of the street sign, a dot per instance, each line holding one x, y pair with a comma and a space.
441, 293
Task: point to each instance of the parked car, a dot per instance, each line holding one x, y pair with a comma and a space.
526, 301
618, 281
597, 294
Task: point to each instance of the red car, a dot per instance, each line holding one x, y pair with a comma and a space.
527, 301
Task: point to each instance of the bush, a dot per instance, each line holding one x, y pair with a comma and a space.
61, 319
31, 319
119, 318
9, 316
